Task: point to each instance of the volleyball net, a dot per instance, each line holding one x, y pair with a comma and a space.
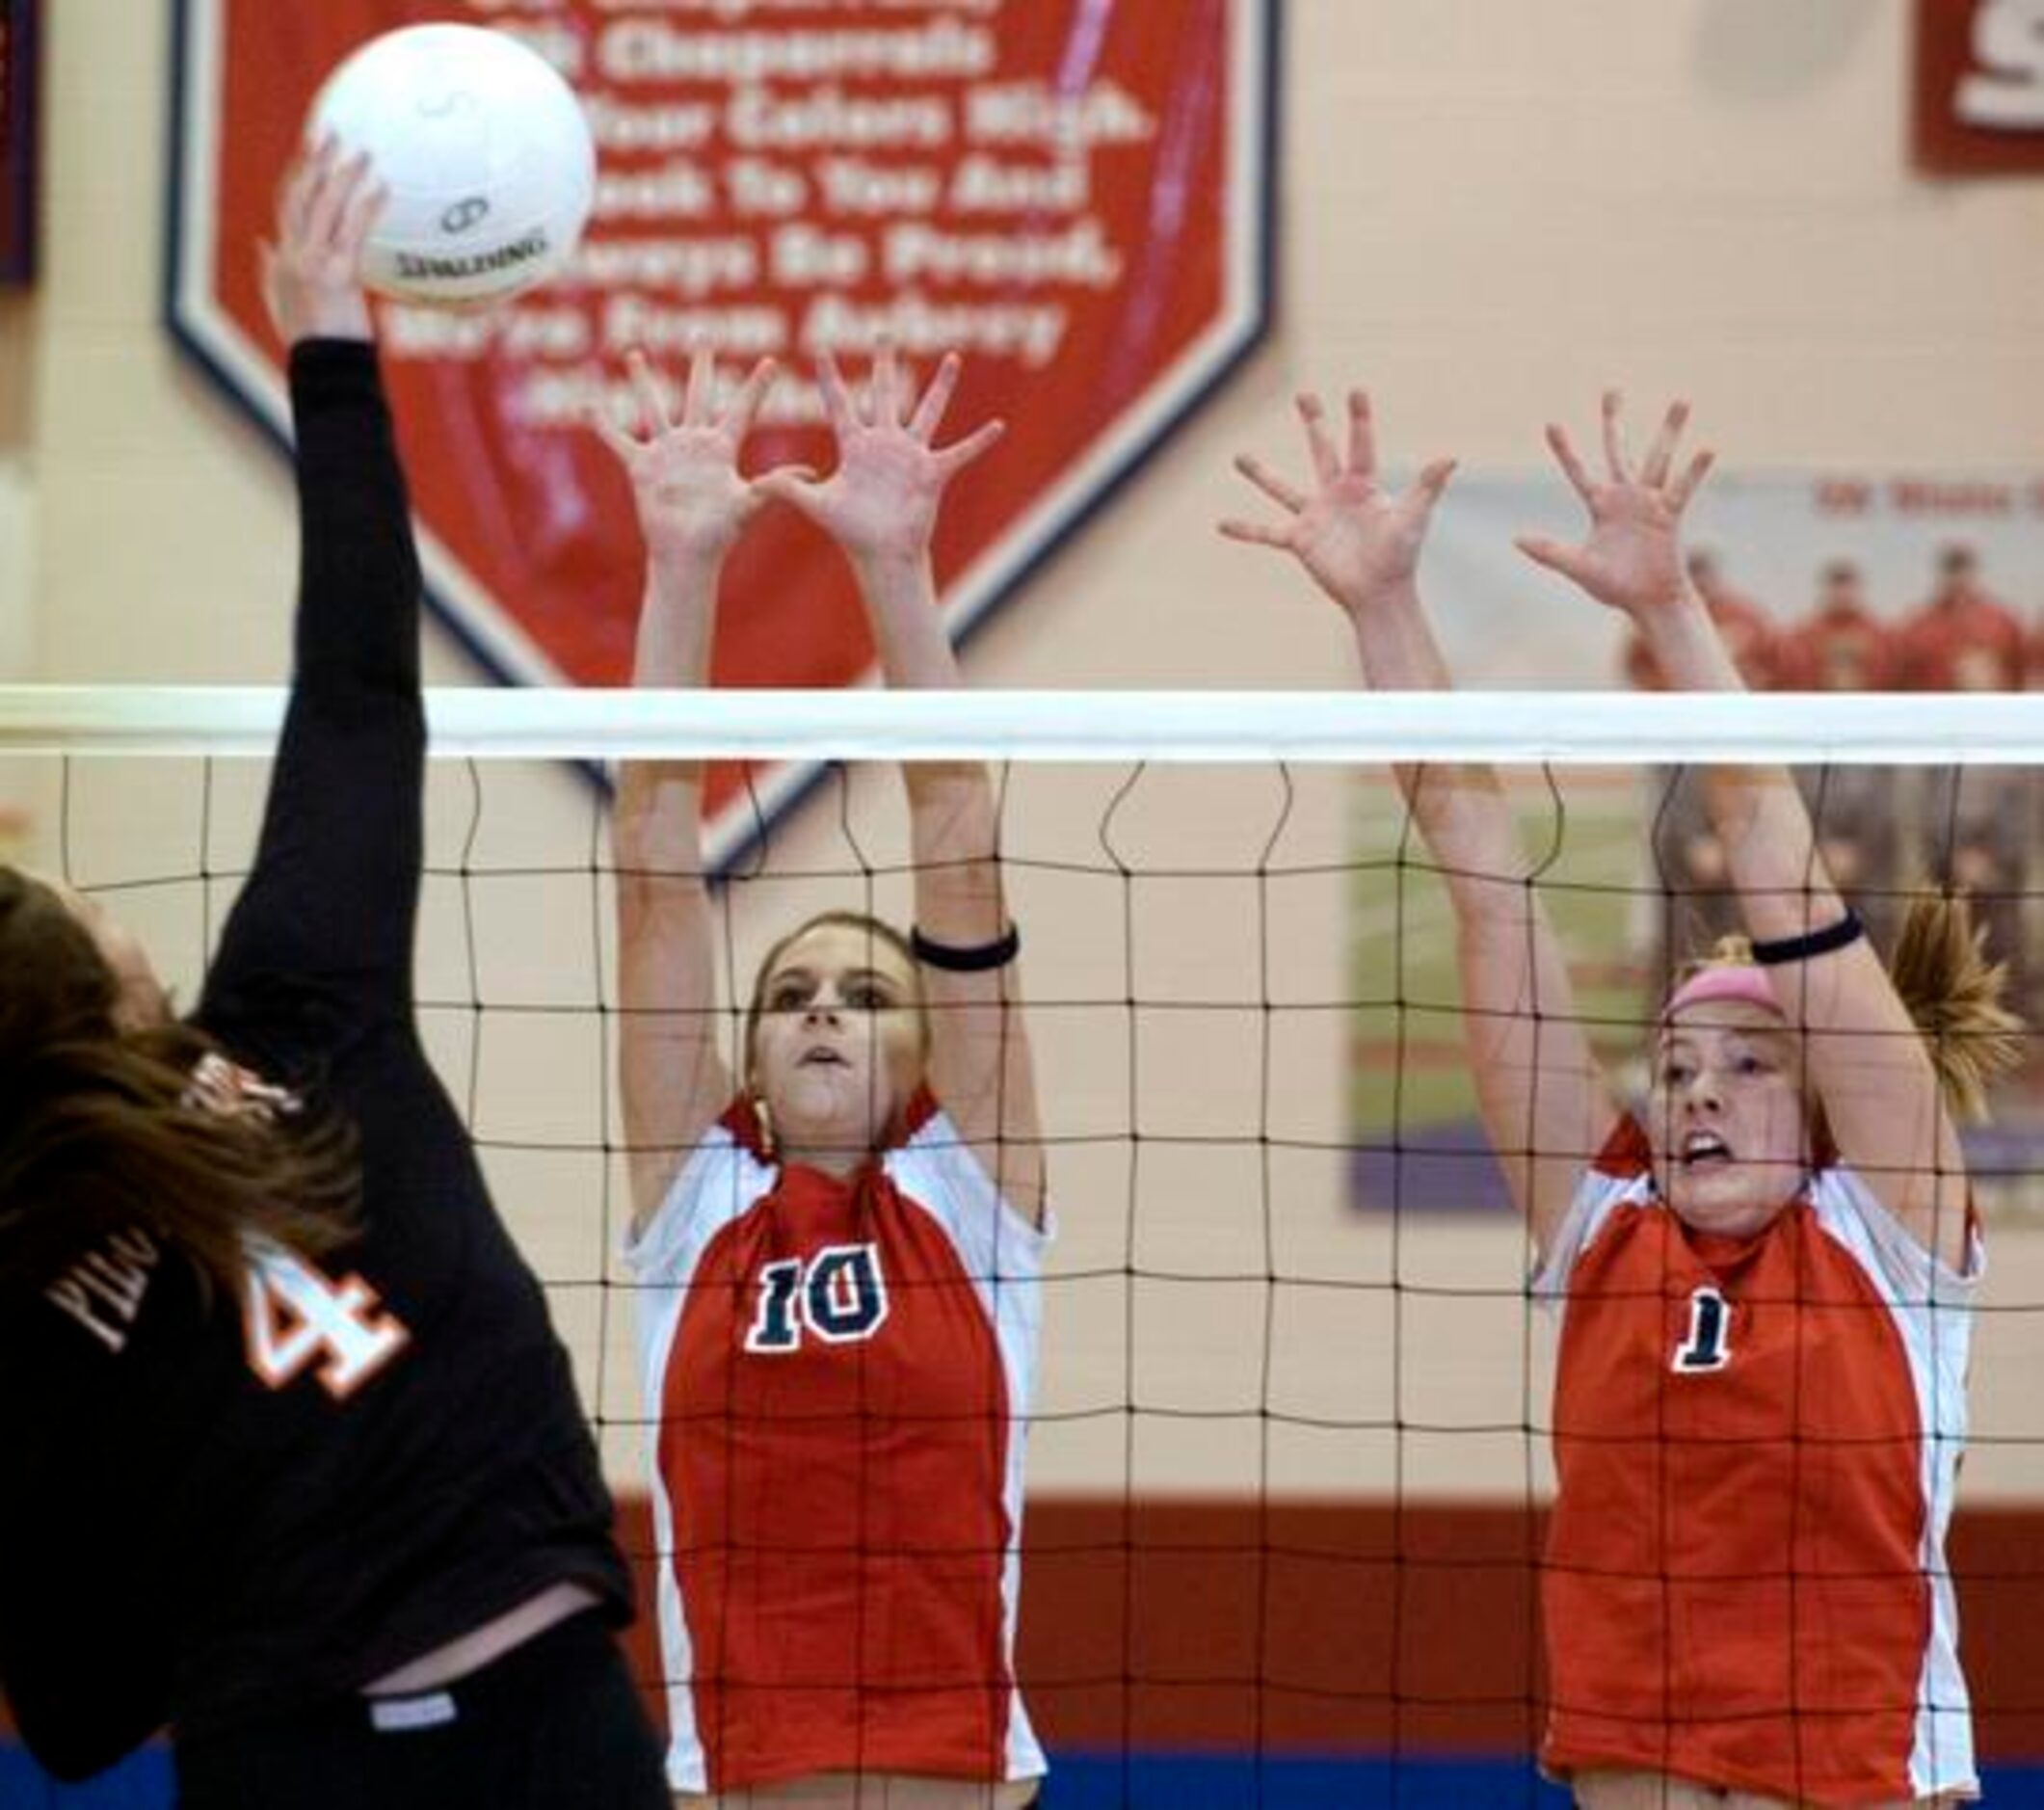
1289, 1462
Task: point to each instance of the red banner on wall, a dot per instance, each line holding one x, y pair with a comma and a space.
1072, 193
1979, 87
18, 57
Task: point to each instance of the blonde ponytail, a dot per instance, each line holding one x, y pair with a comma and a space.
1953, 992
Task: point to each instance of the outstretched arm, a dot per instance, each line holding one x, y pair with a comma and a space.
1867, 1061
692, 505
328, 913
881, 506
1544, 1100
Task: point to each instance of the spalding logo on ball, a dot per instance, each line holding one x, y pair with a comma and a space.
483, 150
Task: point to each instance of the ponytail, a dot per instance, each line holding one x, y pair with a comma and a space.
1953, 994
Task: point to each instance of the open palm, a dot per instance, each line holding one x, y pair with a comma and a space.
1356, 538
684, 473
1631, 559
882, 500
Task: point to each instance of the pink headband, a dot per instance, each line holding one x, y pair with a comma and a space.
1741, 981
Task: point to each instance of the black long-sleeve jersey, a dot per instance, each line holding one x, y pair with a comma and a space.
212, 1509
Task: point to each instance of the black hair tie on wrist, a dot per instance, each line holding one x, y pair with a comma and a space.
1848, 929
979, 960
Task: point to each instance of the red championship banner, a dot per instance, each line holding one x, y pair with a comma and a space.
1072, 192
17, 141
1979, 87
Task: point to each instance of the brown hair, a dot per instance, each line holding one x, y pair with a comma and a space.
103, 1132
877, 928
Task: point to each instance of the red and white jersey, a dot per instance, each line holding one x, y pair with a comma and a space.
840, 1374
1757, 1442
1967, 641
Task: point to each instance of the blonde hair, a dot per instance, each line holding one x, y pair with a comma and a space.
1951, 990
1953, 994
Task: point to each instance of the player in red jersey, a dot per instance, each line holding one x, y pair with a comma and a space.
1964, 638
840, 1248
1841, 645
1764, 1285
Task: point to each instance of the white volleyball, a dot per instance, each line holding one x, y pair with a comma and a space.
485, 153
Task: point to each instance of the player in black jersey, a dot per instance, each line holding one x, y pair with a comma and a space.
294, 1460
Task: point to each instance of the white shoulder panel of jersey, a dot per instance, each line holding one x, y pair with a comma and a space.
1905, 1271
938, 1172
720, 1183
1598, 1195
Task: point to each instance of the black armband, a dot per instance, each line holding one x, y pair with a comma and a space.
1847, 930
953, 960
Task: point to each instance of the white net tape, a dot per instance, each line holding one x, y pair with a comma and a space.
1561, 727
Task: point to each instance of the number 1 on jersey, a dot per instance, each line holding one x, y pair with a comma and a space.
774, 1325
297, 1316
1707, 1346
